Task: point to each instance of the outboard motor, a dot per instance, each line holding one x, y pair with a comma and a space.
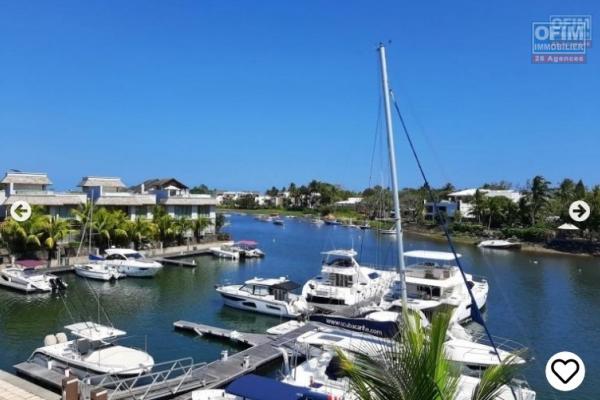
60, 284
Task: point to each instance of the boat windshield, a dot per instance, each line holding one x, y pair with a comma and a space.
134, 256
339, 262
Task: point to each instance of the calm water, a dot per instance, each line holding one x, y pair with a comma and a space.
548, 303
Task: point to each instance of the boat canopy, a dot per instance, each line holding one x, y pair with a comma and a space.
340, 253
29, 264
94, 331
431, 255
254, 387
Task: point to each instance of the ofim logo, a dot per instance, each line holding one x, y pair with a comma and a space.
564, 39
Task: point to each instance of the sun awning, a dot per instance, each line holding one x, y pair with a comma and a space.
568, 227
254, 387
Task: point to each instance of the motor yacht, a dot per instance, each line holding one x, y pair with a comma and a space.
131, 262
99, 271
278, 221
434, 281
343, 281
92, 351
266, 296
28, 280
229, 252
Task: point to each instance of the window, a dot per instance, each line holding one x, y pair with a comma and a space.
273, 307
341, 280
247, 289
261, 290
183, 211
134, 256
249, 304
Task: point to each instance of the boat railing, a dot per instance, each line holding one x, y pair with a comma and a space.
502, 343
479, 278
169, 375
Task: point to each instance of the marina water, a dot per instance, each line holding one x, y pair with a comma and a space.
546, 302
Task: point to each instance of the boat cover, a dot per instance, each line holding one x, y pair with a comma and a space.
254, 387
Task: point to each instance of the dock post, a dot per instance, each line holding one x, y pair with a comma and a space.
99, 394
70, 388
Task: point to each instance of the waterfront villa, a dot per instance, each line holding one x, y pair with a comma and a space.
111, 193
463, 201
35, 188
177, 200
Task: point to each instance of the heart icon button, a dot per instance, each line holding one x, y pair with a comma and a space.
565, 371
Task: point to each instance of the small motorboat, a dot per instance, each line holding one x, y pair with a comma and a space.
499, 244
93, 350
248, 249
99, 271
29, 281
387, 231
226, 251
317, 221
278, 221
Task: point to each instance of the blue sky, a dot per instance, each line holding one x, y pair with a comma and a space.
246, 94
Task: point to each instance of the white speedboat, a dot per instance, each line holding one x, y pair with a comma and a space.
278, 221
317, 221
29, 281
226, 251
433, 281
131, 262
344, 282
93, 350
391, 231
248, 249
499, 244
267, 296
99, 271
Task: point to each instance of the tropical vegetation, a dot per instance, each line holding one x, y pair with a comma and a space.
42, 232
414, 367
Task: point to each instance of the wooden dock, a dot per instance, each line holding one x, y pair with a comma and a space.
181, 376
175, 261
249, 339
14, 388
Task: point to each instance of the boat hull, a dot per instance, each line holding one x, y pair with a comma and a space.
257, 306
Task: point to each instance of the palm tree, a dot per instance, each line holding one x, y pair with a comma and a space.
414, 367
182, 226
140, 230
165, 225
52, 230
199, 225
539, 194
21, 237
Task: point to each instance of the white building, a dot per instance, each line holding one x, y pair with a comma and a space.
463, 201
35, 189
111, 193
178, 201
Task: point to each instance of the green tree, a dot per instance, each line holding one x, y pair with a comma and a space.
199, 225
538, 197
165, 225
140, 231
414, 367
51, 230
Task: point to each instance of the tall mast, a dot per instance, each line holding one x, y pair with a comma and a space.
392, 156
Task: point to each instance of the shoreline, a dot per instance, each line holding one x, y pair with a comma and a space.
529, 247
470, 240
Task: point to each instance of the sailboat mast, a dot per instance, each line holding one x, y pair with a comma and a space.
392, 156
